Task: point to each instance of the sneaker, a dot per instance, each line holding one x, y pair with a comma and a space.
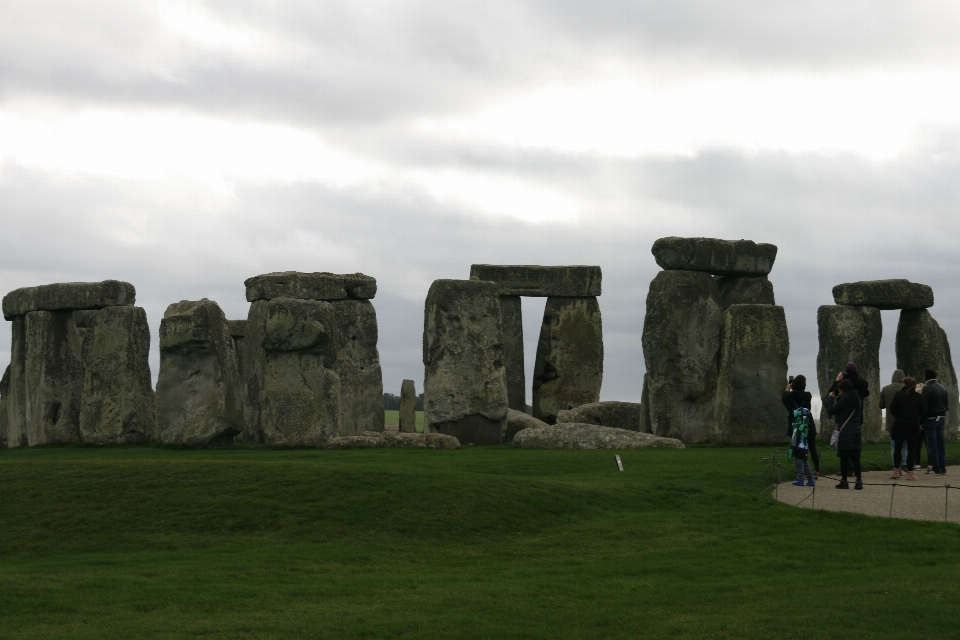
917, 467
910, 476
797, 483
929, 471
895, 474
859, 485
810, 482
843, 485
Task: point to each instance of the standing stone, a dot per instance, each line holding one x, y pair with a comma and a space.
408, 407
850, 334
198, 390
237, 329
922, 344
54, 378
511, 322
464, 388
569, 368
753, 374
117, 404
734, 290
681, 340
358, 364
712, 255
292, 387
645, 425
17, 401
4, 401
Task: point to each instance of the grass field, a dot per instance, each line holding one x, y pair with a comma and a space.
485, 542
393, 417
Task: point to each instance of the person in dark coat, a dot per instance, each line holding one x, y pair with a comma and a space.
795, 397
936, 407
908, 409
845, 407
859, 384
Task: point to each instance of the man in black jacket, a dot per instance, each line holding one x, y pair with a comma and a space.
937, 403
859, 384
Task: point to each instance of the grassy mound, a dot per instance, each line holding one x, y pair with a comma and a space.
479, 543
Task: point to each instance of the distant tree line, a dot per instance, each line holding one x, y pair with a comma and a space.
392, 402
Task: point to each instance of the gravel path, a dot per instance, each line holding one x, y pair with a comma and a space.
922, 499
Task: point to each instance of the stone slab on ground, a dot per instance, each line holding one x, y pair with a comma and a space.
610, 413
920, 499
393, 439
590, 436
542, 282
310, 286
884, 294
518, 421
715, 256
68, 296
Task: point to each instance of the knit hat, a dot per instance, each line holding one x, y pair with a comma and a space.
929, 374
851, 367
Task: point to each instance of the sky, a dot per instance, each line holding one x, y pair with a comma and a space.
187, 146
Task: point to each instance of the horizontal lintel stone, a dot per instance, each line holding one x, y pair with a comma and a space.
311, 286
575, 281
884, 294
68, 296
715, 256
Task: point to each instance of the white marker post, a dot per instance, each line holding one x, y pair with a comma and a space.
619, 462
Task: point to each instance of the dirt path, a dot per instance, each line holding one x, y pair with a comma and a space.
922, 499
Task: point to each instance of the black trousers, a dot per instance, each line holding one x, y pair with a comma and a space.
913, 454
849, 459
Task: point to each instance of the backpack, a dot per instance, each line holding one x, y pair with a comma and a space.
801, 430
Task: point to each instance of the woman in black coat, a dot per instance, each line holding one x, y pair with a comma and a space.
908, 410
845, 406
795, 397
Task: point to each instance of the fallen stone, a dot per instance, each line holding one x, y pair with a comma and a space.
464, 388
850, 334
117, 405
588, 436
391, 427
734, 290
719, 257
922, 344
511, 323
358, 365
68, 296
310, 286
884, 294
292, 386
519, 420
538, 281
54, 378
387, 439
568, 371
620, 415
199, 399
681, 341
408, 407
753, 374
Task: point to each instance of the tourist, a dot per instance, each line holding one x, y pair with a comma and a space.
859, 384
795, 397
886, 397
937, 404
845, 406
908, 408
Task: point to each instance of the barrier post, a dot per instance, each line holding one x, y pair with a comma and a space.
893, 488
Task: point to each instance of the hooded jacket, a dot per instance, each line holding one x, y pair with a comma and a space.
908, 410
886, 397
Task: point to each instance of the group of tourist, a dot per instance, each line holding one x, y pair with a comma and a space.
915, 413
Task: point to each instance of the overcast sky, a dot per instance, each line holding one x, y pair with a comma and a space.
186, 146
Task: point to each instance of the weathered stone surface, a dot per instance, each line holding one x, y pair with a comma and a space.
17, 401
645, 424
588, 436
681, 341
54, 378
408, 407
358, 365
511, 323
568, 371
753, 374
539, 281
734, 290
464, 389
851, 334
292, 387
719, 257
68, 296
388, 439
4, 401
310, 286
198, 391
117, 405
884, 294
519, 420
922, 344
620, 415
237, 330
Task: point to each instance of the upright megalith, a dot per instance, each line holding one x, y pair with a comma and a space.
922, 344
568, 371
715, 256
4, 400
681, 340
117, 404
238, 329
292, 386
884, 294
745, 290
16, 404
753, 373
851, 334
358, 365
408, 407
198, 390
53, 378
511, 322
464, 388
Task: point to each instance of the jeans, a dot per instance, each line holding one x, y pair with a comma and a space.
893, 457
933, 433
803, 469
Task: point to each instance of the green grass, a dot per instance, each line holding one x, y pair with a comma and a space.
393, 417
485, 542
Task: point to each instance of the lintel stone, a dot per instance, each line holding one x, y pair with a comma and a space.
541, 282
310, 286
884, 294
715, 256
68, 296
